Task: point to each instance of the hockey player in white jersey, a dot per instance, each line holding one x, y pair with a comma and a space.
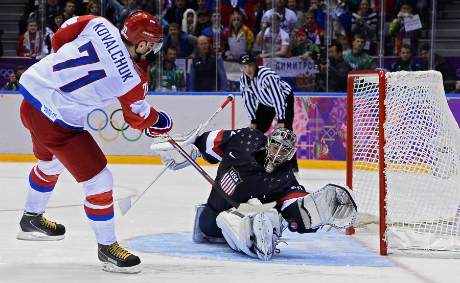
93, 66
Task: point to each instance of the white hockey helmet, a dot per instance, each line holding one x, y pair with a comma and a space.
281, 147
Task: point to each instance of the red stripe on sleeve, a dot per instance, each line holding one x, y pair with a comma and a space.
291, 196
217, 142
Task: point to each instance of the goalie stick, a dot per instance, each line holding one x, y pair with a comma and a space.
242, 207
186, 136
125, 204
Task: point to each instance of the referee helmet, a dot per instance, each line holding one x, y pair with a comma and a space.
246, 58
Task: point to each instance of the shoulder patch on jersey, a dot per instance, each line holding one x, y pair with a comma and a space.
230, 180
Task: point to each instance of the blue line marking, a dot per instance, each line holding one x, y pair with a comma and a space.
321, 248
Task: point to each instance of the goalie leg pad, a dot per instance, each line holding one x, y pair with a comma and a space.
332, 205
254, 234
264, 237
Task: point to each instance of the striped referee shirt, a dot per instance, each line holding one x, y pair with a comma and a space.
266, 88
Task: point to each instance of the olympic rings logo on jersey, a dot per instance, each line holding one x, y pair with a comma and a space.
114, 124
6, 73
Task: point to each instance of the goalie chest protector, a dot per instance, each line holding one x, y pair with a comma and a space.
243, 178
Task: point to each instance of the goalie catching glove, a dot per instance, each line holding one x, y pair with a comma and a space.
168, 153
333, 205
162, 126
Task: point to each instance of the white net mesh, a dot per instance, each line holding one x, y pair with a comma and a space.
422, 154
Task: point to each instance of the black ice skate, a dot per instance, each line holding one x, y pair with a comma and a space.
35, 227
116, 259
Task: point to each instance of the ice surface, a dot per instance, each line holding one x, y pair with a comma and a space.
163, 219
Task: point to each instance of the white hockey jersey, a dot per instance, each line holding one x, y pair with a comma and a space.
91, 68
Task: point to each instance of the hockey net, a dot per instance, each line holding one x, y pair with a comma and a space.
404, 162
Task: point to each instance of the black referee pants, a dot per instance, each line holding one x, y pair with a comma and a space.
265, 116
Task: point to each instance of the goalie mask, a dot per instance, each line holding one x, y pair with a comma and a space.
281, 147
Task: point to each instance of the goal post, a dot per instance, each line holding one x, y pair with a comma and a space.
403, 153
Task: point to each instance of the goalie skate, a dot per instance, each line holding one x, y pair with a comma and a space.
198, 235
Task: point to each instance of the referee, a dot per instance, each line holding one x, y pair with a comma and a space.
265, 96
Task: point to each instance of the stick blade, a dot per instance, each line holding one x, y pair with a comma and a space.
250, 208
125, 205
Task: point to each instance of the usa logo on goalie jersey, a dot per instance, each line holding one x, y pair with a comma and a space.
230, 180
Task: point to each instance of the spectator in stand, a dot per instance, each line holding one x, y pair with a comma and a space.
184, 43
202, 6
152, 7
315, 9
215, 32
292, 5
52, 8
341, 17
203, 74
13, 84
238, 38
440, 65
315, 34
172, 77
93, 9
405, 62
124, 11
69, 10
288, 20
175, 14
259, 14
343, 39
358, 59
398, 30
303, 5
58, 20
30, 7
274, 39
244, 7
303, 49
419, 6
365, 22
29, 43
338, 69
189, 21
203, 23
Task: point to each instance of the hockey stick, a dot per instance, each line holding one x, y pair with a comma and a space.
186, 136
125, 204
243, 207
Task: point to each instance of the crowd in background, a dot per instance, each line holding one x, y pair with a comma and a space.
266, 28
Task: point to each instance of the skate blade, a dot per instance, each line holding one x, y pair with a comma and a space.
37, 236
110, 267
